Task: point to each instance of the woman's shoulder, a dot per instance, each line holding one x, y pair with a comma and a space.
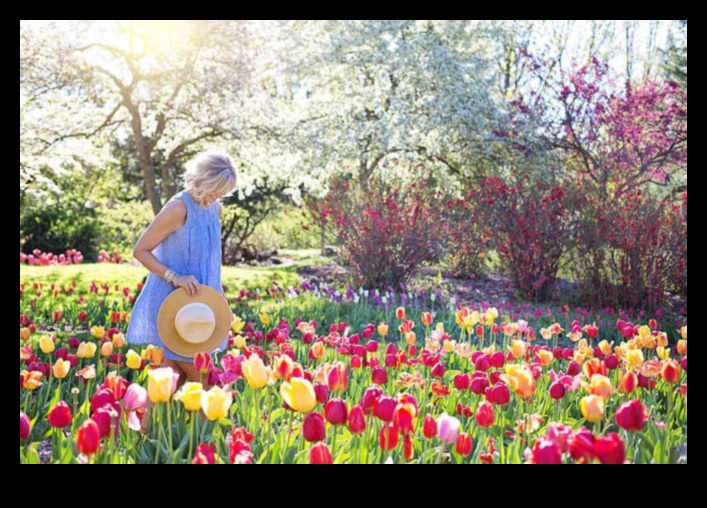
175, 210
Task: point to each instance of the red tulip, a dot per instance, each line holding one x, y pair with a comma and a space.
429, 427
60, 417
322, 393
372, 347
203, 363
498, 360
558, 391
320, 455
427, 319
462, 382
408, 448
438, 371
610, 450
205, 455
356, 362
357, 421
574, 369
479, 385
336, 412
88, 438
683, 364
581, 446
314, 428
107, 418
389, 438
404, 418
385, 409
464, 445
464, 411
25, 427
485, 415
501, 395
632, 416
547, 453
338, 378
73, 343
370, 399
612, 362
102, 398
379, 376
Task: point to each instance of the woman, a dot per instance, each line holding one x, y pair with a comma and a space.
182, 249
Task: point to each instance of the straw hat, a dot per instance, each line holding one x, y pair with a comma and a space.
188, 326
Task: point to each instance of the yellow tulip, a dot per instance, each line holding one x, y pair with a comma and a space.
449, 346
98, 332
493, 312
190, 395
663, 339
644, 332
411, 339
86, 350
161, 384
61, 369
605, 347
593, 408
663, 353
127, 317
519, 349
216, 403
621, 351
31, 380
238, 325
133, 360
579, 357
520, 379
255, 373
25, 334
240, 342
118, 340
107, 349
683, 332
635, 358
546, 334
299, 395
383, 329
46, 344
601, 387
265, 320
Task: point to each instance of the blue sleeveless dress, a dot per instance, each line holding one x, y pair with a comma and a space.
194, 249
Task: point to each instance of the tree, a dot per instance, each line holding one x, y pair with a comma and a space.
171, 86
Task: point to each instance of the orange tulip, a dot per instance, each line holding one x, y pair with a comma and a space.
600, 386
628, 383
520, 379
593, 368
519, 349
546, 357
118, 340
682, 348
427, 319
317, 351
593, 408
670, 371
107, 349
31, 380
25, 334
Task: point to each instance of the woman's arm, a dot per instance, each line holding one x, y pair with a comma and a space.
169, 220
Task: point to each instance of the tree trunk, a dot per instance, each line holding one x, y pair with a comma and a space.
323, 239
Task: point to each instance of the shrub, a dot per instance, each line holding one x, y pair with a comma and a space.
531, 225
59, 227
388, 233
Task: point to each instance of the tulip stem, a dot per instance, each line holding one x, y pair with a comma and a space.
192, 431
333, 449
159, 438
169, 424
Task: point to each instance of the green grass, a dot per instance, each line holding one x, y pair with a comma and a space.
235, 279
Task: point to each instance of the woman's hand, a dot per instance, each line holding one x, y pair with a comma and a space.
189, 283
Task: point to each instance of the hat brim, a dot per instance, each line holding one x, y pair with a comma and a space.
171, 307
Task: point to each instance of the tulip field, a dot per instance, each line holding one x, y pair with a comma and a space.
313, 375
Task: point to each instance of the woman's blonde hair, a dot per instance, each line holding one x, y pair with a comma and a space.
210, 172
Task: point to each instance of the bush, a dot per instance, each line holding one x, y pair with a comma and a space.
634, 252
60, 227
531, 225
467, 238
388, 233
